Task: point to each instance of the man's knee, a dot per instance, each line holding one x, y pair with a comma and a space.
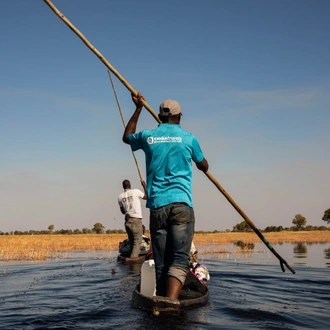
180, 273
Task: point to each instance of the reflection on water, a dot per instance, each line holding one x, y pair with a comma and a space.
300, 252
134, 268
327, 256
310, 253
244, 246
296, 254
304, 254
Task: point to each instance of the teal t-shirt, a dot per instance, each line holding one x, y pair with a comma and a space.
168, 152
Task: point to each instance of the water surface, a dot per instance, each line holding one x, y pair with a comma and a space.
247, 291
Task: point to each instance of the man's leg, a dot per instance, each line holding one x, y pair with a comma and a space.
174, 287
129, 232
137, 236
158, 232
182, 231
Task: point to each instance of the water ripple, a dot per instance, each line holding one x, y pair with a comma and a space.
75, 294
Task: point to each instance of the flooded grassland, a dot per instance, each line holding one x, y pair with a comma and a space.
45, 247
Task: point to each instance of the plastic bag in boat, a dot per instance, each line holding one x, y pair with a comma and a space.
201, 273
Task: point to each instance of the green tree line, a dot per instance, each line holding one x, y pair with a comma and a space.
98, 228
299, 223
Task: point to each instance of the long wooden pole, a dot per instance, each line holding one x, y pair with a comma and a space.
123, 120
251, 224
99, 55
133, 91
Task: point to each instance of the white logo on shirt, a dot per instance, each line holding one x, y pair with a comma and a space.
164, 139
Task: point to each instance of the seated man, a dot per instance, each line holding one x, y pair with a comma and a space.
125, 248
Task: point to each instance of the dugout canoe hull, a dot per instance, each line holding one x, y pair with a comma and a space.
131, 261
193, 294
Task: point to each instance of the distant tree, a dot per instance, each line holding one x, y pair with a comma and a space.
51, 228
270, 229
242, 226
326, 216
98, 228
273, 229
86, 231
65, 231
43, 232
299, 221
310, 228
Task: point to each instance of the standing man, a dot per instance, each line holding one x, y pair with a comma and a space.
130, 204
168, 150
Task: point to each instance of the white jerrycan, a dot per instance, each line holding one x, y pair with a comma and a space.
148, 278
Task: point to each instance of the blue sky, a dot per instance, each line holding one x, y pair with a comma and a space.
252, 77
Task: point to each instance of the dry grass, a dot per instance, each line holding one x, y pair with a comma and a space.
273, 238
42, 247
212, 244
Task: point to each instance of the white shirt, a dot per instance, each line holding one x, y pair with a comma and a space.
130, 201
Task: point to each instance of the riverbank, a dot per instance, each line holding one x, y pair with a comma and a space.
43, 247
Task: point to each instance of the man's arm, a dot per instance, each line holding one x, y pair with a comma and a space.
121, 206
131, 126
203, 165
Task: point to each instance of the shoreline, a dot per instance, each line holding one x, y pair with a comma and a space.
43, 247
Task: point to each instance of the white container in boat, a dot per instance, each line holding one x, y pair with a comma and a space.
148, 278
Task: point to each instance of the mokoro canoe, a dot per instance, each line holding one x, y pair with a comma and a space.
129, 261
145, 255
193, 294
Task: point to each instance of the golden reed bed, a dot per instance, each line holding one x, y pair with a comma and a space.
42, 247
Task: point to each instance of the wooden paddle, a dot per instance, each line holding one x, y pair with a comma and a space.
147, 106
